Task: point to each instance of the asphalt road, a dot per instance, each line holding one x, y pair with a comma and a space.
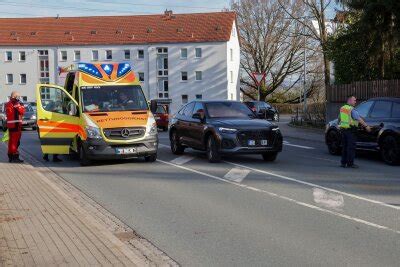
300, 210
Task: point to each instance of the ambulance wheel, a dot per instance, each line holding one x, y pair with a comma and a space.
84, 160
151, 158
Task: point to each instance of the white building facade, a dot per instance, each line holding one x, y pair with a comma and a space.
172, 72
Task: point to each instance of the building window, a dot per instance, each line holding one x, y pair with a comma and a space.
231, 54
231, 76
198, 52
63, 55
162, 50
77, 55
127, 54
22, 78
183, 53
108, 54
9, 78
45, 93
184, 99
22, 56
199, 75
43, 52
95, 55
199, 97
8, 56
184, 76
141, 76
140, 54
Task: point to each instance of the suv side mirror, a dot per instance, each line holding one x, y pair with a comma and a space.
153, 106
72, 109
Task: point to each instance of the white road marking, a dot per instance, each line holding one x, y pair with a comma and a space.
182, 160
335, 213
286, 143
328, 199
237, 174
315, 185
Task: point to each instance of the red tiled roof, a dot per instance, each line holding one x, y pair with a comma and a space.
175, 28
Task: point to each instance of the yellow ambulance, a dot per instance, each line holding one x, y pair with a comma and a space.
101, 113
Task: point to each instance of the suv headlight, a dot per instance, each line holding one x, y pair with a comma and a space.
227, 130
93, 132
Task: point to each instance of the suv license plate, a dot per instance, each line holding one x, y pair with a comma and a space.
251, 142
123, 151
264, 142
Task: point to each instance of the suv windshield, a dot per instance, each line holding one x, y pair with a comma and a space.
113, 98
228, 110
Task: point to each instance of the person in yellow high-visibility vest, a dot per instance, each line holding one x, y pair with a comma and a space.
349, 119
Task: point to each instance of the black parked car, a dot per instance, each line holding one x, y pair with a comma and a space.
263, 110
222, 127
383, 115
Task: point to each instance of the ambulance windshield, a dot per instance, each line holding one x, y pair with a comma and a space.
113, 98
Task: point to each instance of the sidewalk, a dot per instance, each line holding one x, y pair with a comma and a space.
45, 221
314, 135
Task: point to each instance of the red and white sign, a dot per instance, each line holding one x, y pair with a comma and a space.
258, 77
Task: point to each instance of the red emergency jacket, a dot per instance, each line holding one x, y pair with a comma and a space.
14, 112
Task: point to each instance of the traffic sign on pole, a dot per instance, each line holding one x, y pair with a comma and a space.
258, 77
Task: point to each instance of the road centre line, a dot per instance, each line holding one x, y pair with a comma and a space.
286, 143
236, 174
335, 213
315, 185
182, 159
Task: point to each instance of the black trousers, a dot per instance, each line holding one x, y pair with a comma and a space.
349, 140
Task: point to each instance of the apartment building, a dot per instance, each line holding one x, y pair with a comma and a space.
178, 57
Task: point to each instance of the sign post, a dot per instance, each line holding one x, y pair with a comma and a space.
258, 78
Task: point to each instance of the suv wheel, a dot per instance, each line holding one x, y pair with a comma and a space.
84, 160
213, 153
333, 140
176, 147
390, 150
270, 156
151, 158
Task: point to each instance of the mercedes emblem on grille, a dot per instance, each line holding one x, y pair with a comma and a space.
125, 133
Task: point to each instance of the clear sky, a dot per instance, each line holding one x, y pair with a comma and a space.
34, 8
40, 8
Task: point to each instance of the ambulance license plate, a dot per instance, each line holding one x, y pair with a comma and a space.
124, 151
264, 142
251, 142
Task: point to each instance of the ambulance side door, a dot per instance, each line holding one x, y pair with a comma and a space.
57, 118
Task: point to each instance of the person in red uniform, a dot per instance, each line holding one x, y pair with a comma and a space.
14, 112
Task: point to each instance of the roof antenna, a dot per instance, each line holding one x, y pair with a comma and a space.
58, 16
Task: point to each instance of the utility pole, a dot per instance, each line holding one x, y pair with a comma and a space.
305, 70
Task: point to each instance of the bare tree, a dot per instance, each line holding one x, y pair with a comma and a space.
314, 10
270, 43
